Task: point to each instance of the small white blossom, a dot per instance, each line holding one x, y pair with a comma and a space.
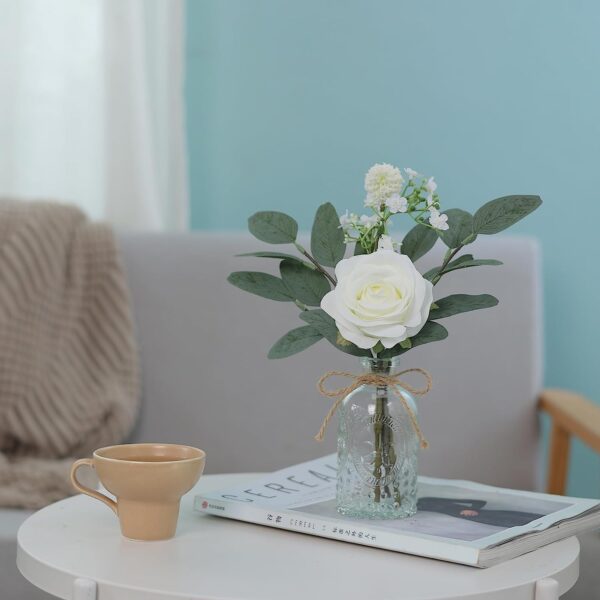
438, 221
429, 199
397, 204
347, 221
411, 173
430, 185
385, 243
381, 182
369, 220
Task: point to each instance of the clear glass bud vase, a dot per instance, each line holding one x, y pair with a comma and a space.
377, 450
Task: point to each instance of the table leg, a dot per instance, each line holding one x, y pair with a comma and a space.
84, 589
546, 589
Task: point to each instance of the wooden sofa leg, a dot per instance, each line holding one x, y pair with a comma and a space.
559, 460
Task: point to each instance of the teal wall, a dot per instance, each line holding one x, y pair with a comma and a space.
290, 101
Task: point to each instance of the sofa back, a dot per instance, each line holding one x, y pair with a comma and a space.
207, 380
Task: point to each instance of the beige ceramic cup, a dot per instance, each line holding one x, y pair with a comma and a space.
148, 481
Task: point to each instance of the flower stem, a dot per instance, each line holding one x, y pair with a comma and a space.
377, 430
301, 305
449, 256
314, 262
382, 441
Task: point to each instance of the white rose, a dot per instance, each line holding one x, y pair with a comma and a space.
379, 297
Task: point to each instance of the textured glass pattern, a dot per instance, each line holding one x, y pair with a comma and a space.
377, 451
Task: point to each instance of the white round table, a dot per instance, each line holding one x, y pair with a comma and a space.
73, 549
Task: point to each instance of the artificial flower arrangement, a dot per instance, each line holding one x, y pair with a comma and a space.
378, 306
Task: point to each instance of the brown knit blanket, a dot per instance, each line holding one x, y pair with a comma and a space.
68, 362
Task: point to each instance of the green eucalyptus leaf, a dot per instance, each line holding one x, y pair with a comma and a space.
327, 238
461, 303
461, 259
431, 274
295, 341
460, 228
476, 262
418, 242
499, 214
278, 255
261, 284
463, 262
306, 284
325, 325
378, 347
273, 227
431, 332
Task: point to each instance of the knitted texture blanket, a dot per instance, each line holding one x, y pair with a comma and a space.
68, 361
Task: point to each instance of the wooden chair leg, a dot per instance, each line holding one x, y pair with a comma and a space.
559, 460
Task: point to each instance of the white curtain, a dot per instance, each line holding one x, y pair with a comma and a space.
91, 107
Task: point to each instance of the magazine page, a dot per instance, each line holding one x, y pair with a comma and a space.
453, 511
489, 515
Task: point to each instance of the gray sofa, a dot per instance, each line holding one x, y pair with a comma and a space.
207, 381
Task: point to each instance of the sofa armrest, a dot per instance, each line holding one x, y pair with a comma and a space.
572, 414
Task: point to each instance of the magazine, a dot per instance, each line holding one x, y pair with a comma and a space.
456, 521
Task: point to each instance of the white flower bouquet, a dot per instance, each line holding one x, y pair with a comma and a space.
377, 305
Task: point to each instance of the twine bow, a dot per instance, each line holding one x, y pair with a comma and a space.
393, 382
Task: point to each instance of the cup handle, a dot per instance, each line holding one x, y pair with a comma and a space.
88, 462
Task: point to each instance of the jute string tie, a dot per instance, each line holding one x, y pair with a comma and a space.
394, 382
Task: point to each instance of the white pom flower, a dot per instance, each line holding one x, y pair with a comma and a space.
397, 204
411, 173
371, 202
379, 297
381, 182
368, 220
438, 221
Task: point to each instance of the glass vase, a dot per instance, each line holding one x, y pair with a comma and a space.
377, 450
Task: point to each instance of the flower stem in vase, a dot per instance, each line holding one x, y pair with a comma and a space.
391, 461
378, 432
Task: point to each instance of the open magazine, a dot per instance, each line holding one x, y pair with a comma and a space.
457, 521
